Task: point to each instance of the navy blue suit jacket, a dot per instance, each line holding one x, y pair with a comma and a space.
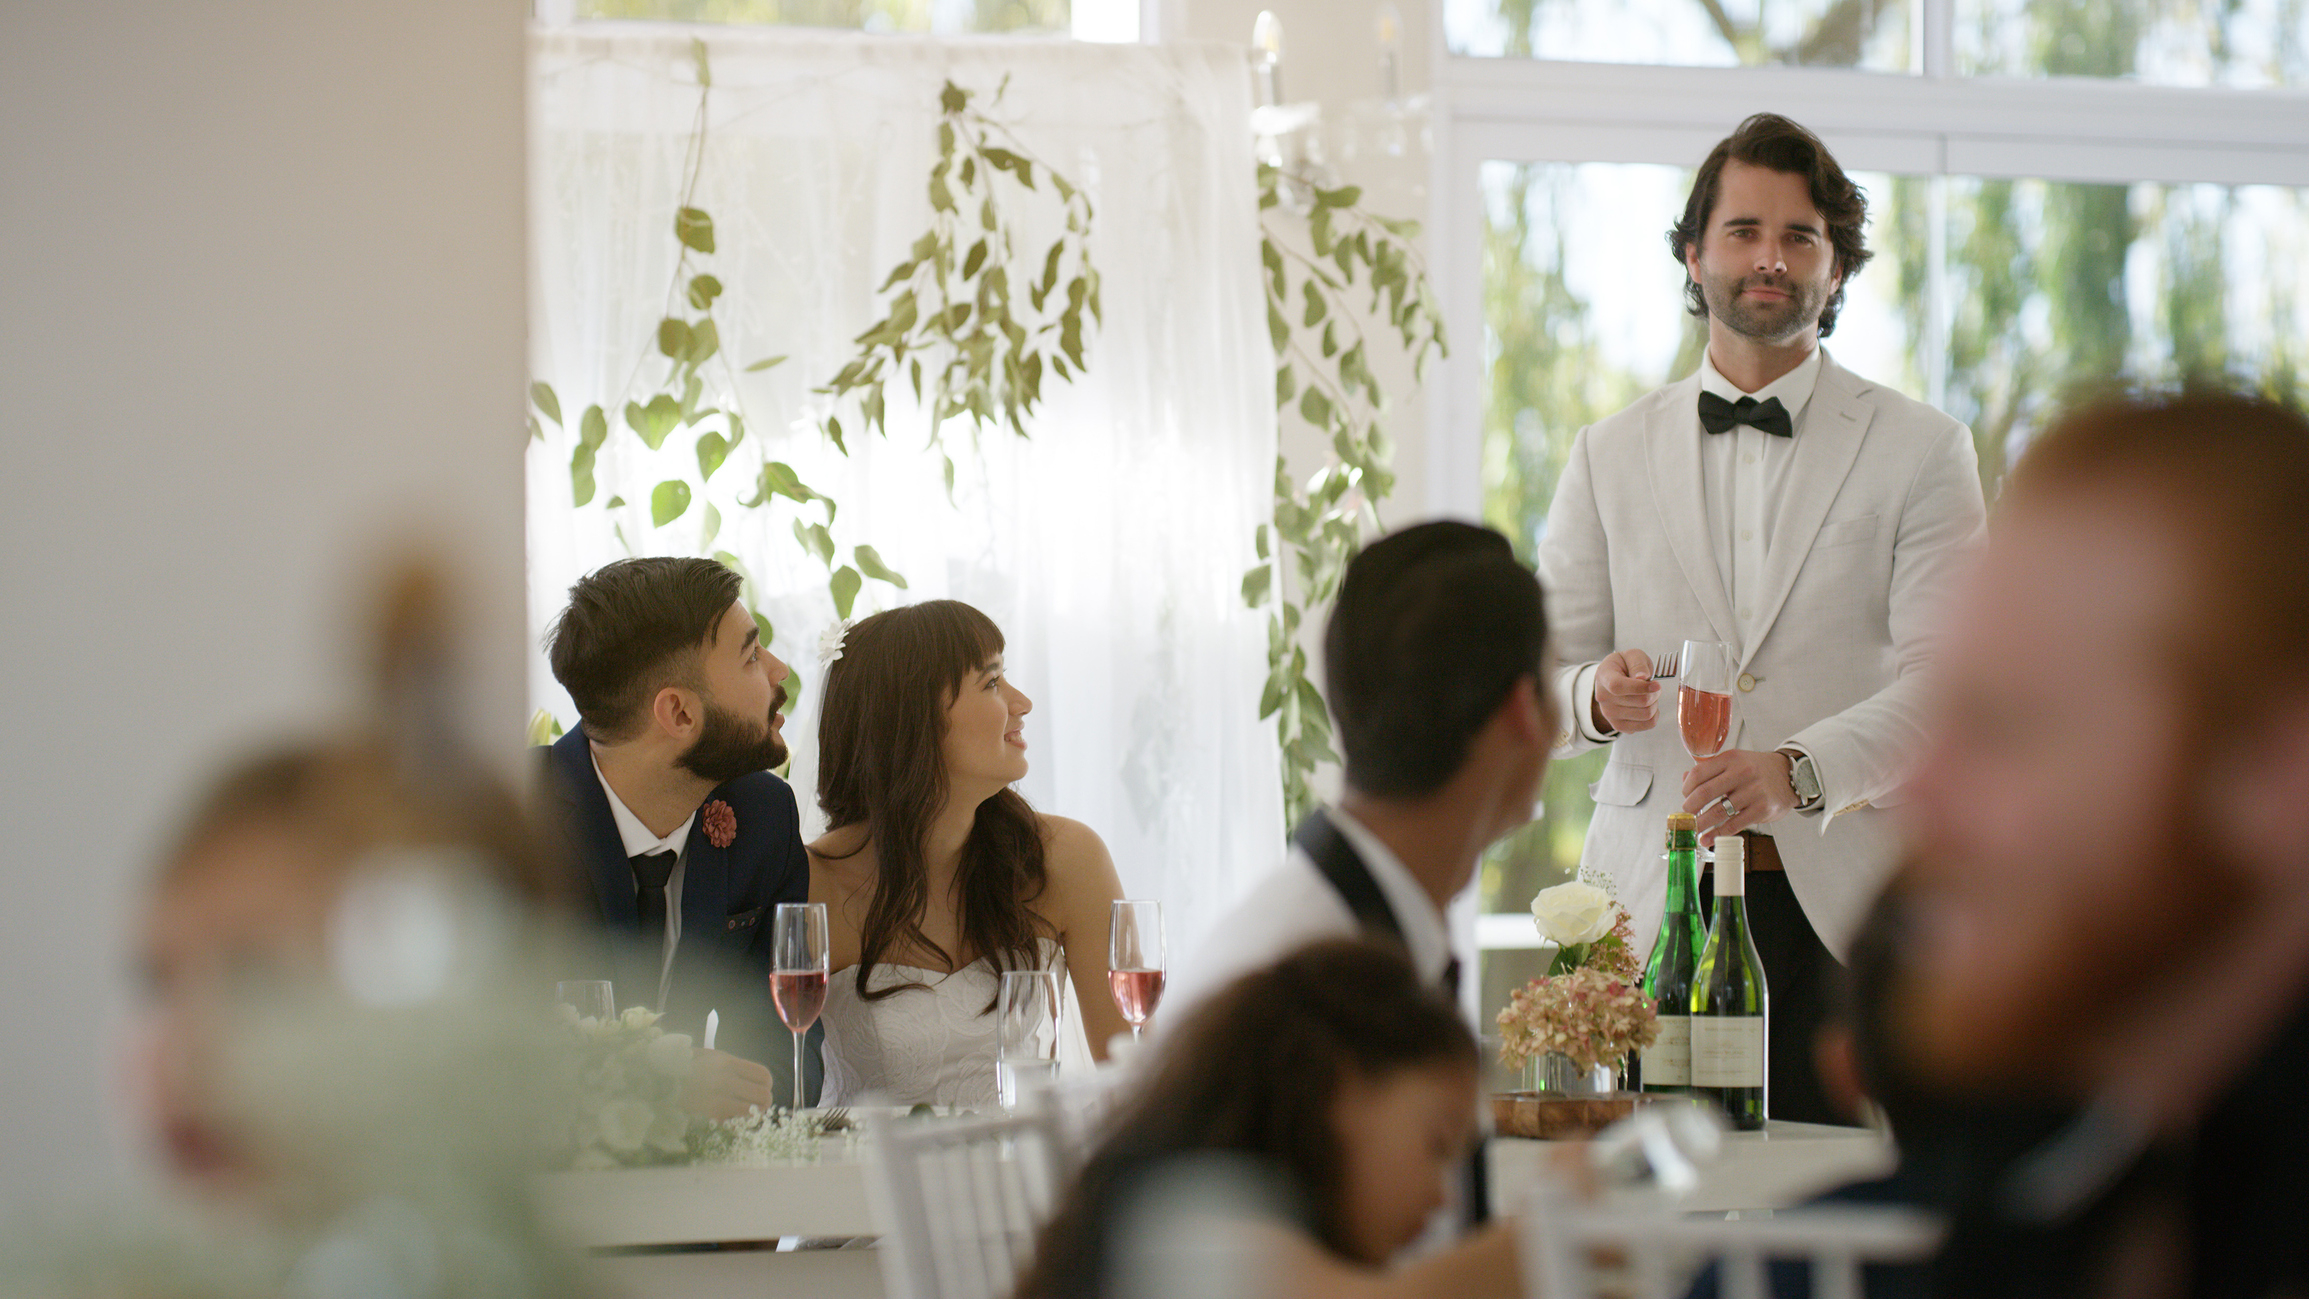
729, 897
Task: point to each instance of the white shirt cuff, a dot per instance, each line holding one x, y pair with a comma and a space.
1583, 703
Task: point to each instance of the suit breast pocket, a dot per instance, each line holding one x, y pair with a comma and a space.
740, 920
1623, 784
1844, 532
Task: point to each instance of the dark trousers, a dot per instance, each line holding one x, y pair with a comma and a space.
1798, 975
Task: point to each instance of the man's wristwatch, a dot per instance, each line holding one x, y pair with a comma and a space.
1804, 778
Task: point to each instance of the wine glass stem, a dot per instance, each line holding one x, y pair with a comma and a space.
798, 1070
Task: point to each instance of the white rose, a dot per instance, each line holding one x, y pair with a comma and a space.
626, 1124
1574, 913
671, 1055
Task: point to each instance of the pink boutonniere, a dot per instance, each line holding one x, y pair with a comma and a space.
721, 824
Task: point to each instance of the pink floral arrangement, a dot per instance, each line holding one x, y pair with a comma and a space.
721, 824
1587, 1014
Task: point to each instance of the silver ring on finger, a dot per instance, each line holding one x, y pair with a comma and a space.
1729, 810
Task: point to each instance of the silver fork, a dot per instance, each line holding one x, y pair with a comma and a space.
1664, 665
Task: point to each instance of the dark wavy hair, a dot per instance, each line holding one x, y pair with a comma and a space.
1254, 1074
1770, 140
882, 764
1433, 626
630, 629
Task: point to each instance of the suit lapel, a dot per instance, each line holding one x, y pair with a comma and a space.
1672, 450
593, 833
1834, 429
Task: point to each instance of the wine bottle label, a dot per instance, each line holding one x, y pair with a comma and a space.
1668, 1060
1727, 1051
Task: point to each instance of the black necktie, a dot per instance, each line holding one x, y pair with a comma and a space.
1451, 979
650, 872
1767, 416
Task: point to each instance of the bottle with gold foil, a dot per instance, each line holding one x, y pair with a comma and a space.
1666, 1065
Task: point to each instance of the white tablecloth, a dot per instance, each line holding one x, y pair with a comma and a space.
1782, 1165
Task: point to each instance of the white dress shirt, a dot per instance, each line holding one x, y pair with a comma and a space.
1744, 475
1295, 905
639, 839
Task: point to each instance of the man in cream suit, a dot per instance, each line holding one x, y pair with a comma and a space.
1804, 515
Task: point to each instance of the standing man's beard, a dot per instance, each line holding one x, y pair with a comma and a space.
727, 749
1764, 322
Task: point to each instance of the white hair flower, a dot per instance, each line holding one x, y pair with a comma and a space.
830, 644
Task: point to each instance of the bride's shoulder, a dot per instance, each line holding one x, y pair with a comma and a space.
1064, 834
1072, 850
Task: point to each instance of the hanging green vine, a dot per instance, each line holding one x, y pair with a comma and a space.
953, 301
1323, 371
951, 308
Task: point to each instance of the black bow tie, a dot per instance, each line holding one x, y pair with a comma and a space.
1766, 416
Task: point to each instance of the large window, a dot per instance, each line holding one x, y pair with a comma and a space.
2061, 191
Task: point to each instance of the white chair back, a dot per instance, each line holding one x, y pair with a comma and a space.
962, 1199
1662, 1249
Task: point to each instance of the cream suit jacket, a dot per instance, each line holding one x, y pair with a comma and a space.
1881, 500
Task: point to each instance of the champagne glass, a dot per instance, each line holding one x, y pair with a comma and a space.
590, 998
1134, 961
798, 970
1704, 697
1026, 1045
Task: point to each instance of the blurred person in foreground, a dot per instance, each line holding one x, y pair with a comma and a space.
679, 836
2088, 1014
341, 1050
1298, 1131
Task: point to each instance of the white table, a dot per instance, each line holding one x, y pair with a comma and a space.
754, 1207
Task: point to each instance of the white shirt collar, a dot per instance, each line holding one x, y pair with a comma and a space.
639, 839
1794, 389
1425, 932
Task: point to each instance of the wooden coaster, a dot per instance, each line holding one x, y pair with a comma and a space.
1556, 1118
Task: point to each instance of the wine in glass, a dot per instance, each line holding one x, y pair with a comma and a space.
1026, 1046
1704, 697
798, 970
1134, 961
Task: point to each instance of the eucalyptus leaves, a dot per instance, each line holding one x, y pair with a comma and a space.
1322, 360
953, 301
949, 326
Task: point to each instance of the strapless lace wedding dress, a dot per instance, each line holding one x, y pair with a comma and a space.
930, 1045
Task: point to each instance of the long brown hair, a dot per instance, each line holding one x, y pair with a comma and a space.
1256, 1072
882, 764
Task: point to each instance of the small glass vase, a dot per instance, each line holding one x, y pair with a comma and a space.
1556, 1074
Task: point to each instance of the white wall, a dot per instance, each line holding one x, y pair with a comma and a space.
261, 304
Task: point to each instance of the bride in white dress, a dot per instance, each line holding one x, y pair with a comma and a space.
936, 875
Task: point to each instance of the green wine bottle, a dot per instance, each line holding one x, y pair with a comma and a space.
1666, 1065
1730, 1004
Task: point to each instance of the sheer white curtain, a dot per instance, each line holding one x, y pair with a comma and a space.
1109, 548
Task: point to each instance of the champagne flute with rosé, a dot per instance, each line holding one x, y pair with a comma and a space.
1134, 961
798, 969
1704, 697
